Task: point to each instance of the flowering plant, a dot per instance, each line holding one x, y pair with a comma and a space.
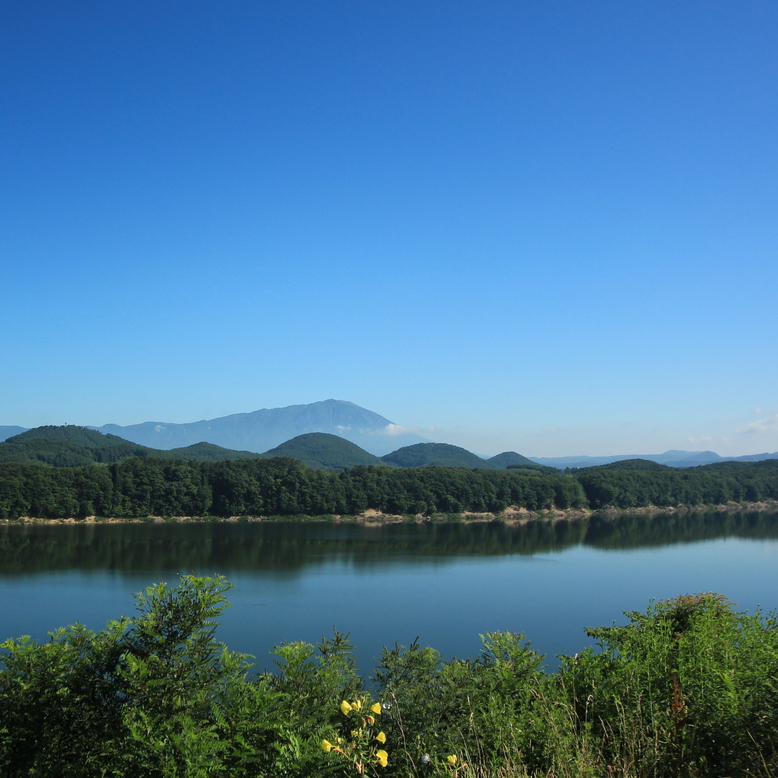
361, 746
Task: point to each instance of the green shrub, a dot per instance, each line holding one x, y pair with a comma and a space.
689, 688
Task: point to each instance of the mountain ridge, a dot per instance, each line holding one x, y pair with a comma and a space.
266, 428
259, 431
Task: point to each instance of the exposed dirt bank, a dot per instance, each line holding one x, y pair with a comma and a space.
511, 515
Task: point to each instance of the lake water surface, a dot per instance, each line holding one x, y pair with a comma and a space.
443, 583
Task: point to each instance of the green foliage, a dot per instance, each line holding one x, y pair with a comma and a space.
322, 451
531, 468
711, 484
628, 464
147, 696
477, 708
427, 454
360, 741
277, 487
69, 433
512, 459
203, 452
68, 446
687, 689
282, 486
72, 446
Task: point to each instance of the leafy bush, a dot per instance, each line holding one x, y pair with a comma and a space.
688, 688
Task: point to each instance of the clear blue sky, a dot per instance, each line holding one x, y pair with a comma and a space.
548, 226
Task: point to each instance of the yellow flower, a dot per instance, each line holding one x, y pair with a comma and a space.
357, 705
382, 757
452, 760
381, 737
345, 707
326, 746
376, 708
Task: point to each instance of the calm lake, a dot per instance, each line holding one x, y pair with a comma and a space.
443, 583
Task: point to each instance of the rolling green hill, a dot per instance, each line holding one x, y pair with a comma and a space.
39, 451
509, 459
73, 446
204, 452
323, 451
446, 455
532, 468
630, 464
440, 454
67, 446
72, 434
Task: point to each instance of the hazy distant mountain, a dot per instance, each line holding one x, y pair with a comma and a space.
264, 429
757, 457
7, 432
674, 458
323, 451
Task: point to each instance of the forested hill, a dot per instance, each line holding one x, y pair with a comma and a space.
713, 484
73, 446
512, 459
446, 455
70, 433
281, 486
429, 478
628, 464
203, 452
67, 446
323, 451
426, 454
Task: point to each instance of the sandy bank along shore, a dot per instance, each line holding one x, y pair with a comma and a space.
511, 515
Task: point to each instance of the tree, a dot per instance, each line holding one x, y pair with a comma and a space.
148, 695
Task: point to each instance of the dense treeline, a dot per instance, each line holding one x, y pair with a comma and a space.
712, 484
281, 486
278, 486
686, 689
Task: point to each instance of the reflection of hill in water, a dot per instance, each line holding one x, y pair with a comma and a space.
290, 546
634, 531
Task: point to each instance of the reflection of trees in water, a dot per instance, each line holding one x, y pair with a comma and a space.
635, 531
294, 545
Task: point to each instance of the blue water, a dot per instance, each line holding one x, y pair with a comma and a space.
383, 585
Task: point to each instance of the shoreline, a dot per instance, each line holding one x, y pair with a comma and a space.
511, 515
